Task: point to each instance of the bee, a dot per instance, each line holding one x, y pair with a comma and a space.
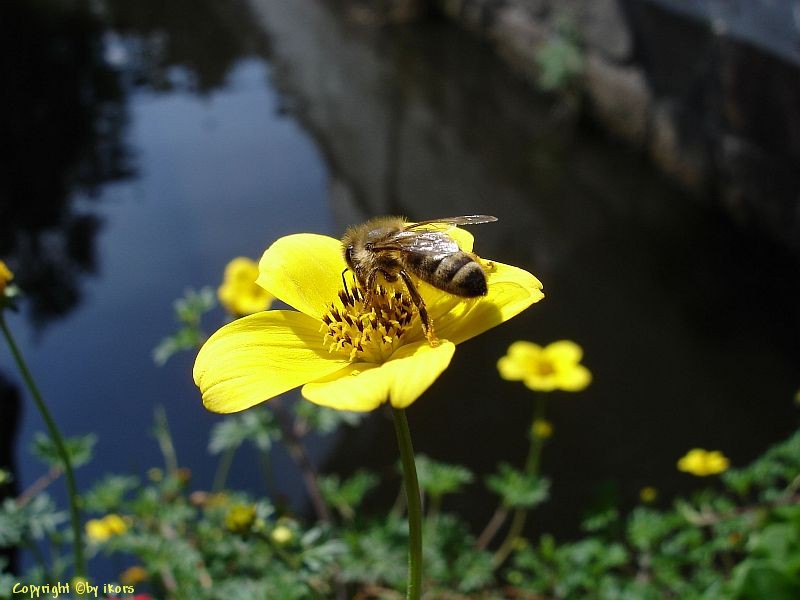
395, 249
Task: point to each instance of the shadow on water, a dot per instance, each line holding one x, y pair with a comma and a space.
69, 69
63, 117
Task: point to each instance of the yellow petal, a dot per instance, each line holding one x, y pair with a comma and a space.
304, 271
511, 290
564, 351
573, 378
258, 357
401, 380
541, 383
520, 361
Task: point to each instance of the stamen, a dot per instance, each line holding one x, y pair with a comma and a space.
369, 333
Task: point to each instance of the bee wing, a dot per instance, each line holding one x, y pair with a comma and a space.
420, 242
445, 223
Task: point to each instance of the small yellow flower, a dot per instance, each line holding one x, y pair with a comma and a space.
281, 535
240, 518
648, 494
554, 367
702, 463
239, 294
5, 277
101, 530
542, 429
133, 575
346, 355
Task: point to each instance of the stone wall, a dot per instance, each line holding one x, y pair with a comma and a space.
709, 90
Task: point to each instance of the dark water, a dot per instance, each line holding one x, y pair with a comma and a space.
155, 143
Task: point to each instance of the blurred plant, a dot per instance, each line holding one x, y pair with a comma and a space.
5, 278
101, 530
560, 58
189, 311
239, 294
438, 479
7, 294
542, 369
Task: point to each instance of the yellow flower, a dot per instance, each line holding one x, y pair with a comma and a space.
344, 355
542, 428
101, 530
240, 518
5, 277
133, 575
554, 367
239, 293
702, 463
281, 535
648, 494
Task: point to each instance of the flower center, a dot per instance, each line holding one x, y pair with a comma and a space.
368, 333
544, 368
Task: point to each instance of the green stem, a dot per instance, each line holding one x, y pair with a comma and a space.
164, 438
531, 468
223, 468
413, 502
58, 441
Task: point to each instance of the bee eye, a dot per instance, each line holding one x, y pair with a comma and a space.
348, 254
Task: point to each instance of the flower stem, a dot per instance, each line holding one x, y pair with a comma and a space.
223, 468
58, 441
531, 468
413, 502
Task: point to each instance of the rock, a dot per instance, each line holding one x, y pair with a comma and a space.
619, 97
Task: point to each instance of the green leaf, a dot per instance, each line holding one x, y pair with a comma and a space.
325, 420
347, 495
517, 489
79, 449
108, 494
438, 478
257, 426
189, 311
764, 582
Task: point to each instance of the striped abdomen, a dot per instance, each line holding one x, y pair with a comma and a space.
457, 273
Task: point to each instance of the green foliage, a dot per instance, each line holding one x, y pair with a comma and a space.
438, 479
78, 448
715, 545
189, 311
518, 489
257, 426
324, 420
21, 523
109, 493
709, 546
560, 59
346, 496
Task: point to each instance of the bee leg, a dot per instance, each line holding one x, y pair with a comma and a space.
344, 282
427, 323
372, 278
